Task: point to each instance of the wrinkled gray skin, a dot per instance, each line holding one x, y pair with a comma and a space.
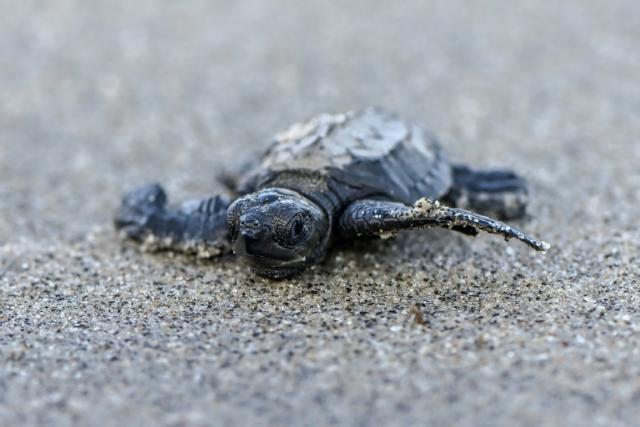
344, 176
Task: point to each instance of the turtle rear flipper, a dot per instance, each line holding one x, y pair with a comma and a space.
497, 193
197, 227
383, 218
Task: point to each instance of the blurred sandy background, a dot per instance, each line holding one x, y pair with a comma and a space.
97, 97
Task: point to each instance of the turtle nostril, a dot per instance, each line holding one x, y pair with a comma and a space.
251, 227
249, 222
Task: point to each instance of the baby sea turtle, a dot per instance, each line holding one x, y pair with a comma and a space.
335, 177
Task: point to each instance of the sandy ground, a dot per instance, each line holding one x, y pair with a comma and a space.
430, 328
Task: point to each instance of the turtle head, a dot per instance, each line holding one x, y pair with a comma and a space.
278, 232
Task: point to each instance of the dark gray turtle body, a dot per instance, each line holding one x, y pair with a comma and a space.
343, 176
370, 153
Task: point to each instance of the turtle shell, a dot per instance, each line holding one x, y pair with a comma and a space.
371, 153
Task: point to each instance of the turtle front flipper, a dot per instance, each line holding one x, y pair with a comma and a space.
197, 227
383, 218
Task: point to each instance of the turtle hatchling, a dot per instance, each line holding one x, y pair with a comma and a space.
333, 178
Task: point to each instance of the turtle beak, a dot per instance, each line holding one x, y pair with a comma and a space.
254, 245
250, 236
246, 243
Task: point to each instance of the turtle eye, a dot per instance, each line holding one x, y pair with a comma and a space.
299, 229
295, 231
